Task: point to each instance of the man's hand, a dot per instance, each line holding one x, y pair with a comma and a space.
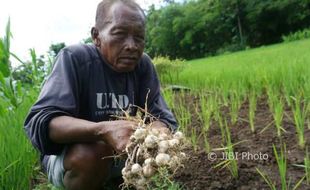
117, 133
160, 126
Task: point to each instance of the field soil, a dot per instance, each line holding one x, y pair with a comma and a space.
255, 150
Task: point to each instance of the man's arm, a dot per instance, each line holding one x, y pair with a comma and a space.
65, 130
59, 96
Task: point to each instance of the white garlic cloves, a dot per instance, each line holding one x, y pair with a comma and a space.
162, 159
150, 141
136, 168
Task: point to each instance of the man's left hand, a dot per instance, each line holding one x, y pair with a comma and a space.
161, 127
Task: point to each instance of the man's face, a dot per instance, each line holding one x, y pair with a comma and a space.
122, 38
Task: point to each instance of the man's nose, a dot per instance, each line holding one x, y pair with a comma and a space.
130, 44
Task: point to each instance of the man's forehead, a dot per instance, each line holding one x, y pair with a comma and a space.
120, 12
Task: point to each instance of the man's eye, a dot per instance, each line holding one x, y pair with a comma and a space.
139, 38
119, 34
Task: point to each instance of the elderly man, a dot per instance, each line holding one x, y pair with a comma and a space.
73, 122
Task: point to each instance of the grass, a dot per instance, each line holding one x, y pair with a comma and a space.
299, 118
250, 69
252, 109
235, 103
307, 166
281, 159
276, 106
230, 158
18, 158
282, 164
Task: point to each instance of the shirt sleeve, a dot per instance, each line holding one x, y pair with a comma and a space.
59, 96
149, 84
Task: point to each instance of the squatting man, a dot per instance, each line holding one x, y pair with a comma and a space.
73, 122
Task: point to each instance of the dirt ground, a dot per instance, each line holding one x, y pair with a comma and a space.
255, 151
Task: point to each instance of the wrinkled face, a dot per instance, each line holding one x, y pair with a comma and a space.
121, 41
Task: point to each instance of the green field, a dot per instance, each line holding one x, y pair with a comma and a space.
229, 92
261, 66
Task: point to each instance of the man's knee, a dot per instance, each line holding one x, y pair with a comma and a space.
87, 155
84, 164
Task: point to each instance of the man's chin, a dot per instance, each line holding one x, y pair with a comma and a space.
125, 68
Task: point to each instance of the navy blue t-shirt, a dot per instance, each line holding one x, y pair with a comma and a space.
84, 86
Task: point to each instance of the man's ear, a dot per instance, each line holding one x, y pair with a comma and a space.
95, 36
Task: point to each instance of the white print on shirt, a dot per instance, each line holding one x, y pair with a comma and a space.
112, 104
112, 101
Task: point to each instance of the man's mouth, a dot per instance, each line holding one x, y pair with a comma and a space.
128, 58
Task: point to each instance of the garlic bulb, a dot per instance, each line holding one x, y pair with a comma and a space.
155, 132
150, 141
141, 182
178, 135
174, 142
149, 161
136, 168
163, 136
126, 173
162, 159
148, 170
174, 162
140, 133
182, 155
163, 146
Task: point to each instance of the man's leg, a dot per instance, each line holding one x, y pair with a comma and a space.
84, 167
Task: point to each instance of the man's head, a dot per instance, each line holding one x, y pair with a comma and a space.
119, 33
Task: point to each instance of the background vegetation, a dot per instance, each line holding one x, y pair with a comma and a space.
200, 28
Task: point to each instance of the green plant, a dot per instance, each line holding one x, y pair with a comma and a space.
276, 105
11, 89
18, 157
307, 166
298, 35
169, 98
270, 183
252, 109
206, 109
182, 113
206, 142
235, 103
168, 69
194, 138
282, 168
282, 164
230, 159
162, 181
300, 118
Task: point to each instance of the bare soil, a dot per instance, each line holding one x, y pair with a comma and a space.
200, 173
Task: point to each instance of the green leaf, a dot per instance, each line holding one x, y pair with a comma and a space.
2, 80
5, 52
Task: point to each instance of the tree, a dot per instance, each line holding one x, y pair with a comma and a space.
54, 49
205, 27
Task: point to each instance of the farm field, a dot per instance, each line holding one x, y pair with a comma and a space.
246, 116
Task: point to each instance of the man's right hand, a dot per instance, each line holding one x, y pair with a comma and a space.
117, 133
68, 130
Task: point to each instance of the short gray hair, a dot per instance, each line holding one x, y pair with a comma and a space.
104, 6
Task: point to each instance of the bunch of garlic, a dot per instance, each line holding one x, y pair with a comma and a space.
149, 150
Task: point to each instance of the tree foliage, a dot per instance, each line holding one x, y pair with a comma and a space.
54, 49
204, 27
